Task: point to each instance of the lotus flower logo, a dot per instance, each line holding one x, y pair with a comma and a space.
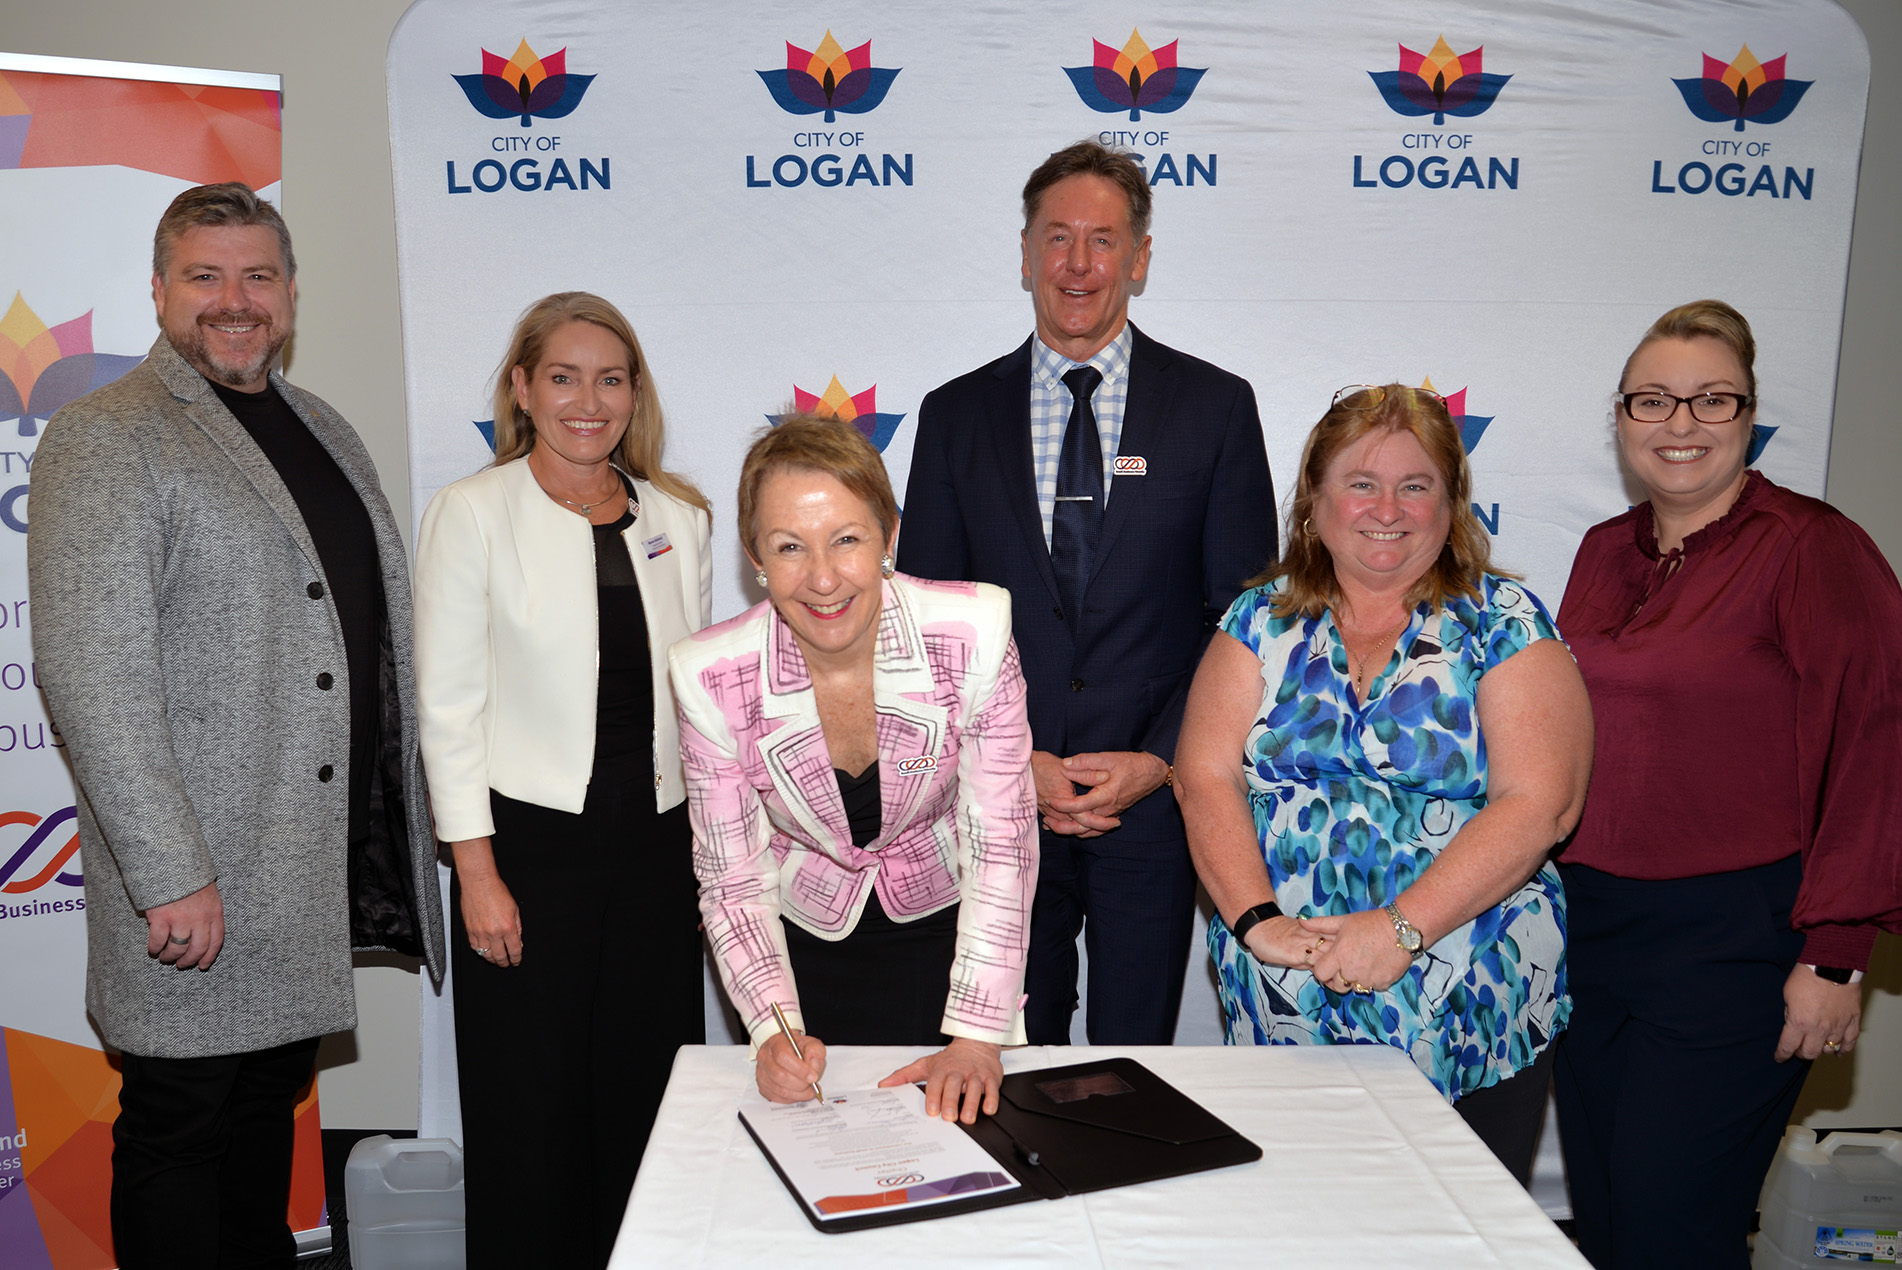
858, 409
1439, 83
1747, 91
1135, 78
1472, 427
42, 368
830, 79
525, 85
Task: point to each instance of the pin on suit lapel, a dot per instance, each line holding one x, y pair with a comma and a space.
1152, 384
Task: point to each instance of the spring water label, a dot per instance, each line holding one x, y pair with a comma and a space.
1838, 1243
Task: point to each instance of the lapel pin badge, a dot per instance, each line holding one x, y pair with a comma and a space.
918, 766
1131, 465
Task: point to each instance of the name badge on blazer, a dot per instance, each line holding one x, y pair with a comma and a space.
656, 546
918, 766
1130, 465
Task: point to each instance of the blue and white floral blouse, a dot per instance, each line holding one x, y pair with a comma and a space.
1352, 801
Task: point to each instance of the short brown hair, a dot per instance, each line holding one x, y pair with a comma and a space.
639, 453
1306, 562
1088, 158
1707, 319
815, 443
227, 203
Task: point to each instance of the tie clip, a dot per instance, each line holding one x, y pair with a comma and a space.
1076, 498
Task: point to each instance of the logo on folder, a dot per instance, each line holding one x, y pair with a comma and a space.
525, 86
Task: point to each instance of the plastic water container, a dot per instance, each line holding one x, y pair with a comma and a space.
1840, 1201
404, 1202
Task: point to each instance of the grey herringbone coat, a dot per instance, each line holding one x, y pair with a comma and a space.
180, 622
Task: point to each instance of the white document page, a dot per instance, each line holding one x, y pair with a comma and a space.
872, 1150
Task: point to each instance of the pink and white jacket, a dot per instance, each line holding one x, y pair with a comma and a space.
959, 810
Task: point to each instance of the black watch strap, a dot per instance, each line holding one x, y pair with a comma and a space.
1253, 917
1835, 974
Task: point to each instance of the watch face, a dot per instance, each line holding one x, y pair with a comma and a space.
1412, 940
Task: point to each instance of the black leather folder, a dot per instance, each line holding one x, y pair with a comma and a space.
1068, 1130
1097, 1125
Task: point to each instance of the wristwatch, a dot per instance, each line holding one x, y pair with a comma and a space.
1404, 932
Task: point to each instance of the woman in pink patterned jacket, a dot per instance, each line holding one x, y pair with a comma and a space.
858, 777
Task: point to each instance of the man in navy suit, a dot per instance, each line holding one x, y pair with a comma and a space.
1120, 491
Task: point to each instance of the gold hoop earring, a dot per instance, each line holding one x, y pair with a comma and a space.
1307, 528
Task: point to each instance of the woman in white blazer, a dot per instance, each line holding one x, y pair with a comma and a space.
548, 589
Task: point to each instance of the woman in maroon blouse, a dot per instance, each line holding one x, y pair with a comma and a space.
1743, 648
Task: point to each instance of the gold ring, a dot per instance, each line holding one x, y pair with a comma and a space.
1832, 1047
1361, 987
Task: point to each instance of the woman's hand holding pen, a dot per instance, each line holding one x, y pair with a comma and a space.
782, 1075
965, 1074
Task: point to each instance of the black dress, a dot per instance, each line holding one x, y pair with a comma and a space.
563, 1059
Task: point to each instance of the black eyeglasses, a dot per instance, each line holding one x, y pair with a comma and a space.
1706, 407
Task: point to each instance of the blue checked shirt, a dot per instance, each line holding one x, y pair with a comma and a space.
1050, 404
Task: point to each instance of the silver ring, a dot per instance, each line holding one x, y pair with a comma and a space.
481, 952
173, 939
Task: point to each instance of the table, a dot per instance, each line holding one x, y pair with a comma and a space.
1364, 1165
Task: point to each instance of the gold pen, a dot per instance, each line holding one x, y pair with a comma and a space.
779, 1016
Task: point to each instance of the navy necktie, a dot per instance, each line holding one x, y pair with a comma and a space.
1079, 509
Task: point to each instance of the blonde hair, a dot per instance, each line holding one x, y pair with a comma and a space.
1704, 319
639, 453
815, 443
1305, 560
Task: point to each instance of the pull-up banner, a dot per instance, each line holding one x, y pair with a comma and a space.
819, 204
90, 155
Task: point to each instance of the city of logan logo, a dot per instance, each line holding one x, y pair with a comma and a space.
1439, 82
1472, 427
829, 79
858, 409
525, 85
1135, 78
1744, 91
42, 368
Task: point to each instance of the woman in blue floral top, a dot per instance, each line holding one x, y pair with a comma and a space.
1413, 739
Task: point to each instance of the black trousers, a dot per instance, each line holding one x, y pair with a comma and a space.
1670, 1101
201, 1158
562, 1060
1134, 901
1508, 1115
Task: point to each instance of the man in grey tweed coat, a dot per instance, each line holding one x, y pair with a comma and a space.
221, 618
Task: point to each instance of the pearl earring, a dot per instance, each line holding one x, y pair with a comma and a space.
760, 577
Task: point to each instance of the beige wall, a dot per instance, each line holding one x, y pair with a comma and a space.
348, 350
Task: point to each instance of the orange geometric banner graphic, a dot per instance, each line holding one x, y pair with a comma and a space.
57, 1105
195, 132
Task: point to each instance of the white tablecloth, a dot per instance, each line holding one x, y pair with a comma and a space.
1363, 1165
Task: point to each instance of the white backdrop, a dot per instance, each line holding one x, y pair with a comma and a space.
1315, 224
